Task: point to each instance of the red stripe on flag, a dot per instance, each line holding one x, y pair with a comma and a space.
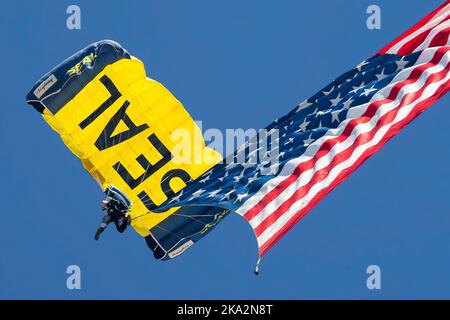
343, 175
416, 27
441, 39
322, 174
412, 44
324, 148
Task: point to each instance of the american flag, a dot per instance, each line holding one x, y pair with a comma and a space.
329, 135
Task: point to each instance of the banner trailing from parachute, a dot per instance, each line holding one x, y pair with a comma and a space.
327, 136
119, 123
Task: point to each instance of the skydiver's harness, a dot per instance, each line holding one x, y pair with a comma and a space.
117, 206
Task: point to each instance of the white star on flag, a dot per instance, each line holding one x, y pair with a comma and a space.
212, 194
197, 194
308, 141
241, 196
381, 76
303, 125
347, 103
401, 64
368, 91
177, 198
335, 101
303, 105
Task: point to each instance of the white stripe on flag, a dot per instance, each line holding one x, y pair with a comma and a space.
297, 206
354, 112
305, 177
441, 15
436, 31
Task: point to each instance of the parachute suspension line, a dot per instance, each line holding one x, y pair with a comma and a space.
182, 215
194, 215
192, 235
178, 236
174, 234
168, 231
147, 201
145, 173
141, 215
118, 167
256, 271
164, 180
204, 224
106, 139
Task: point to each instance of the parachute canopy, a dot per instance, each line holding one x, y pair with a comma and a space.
121, 124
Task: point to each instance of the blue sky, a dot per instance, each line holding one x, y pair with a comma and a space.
234, 64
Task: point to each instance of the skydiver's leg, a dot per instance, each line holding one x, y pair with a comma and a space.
105, 221
122, 223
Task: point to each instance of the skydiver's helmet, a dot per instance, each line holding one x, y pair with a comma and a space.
104, 204
113, 193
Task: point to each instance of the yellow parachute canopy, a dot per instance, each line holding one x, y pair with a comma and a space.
121, 124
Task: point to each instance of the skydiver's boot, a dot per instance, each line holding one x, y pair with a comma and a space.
98, 233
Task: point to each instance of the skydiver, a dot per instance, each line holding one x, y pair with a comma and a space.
115, 212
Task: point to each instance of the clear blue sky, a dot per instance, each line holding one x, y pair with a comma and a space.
234, 64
